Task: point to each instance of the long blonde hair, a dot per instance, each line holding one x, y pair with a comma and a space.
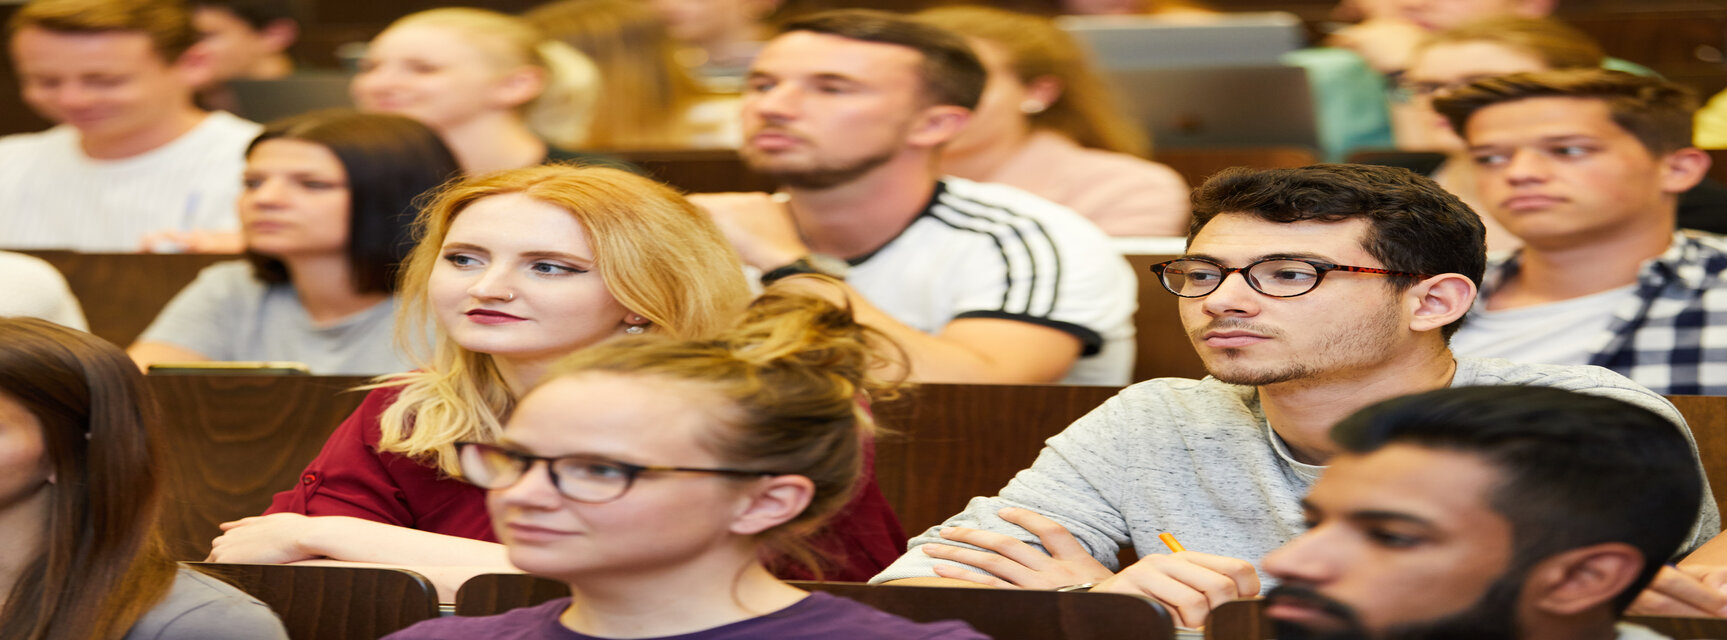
1086, 110
565, 106
647, 94
660, 256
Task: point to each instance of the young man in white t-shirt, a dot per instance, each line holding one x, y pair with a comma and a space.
132, 164
1585, 167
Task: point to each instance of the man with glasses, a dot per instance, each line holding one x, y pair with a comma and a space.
1309, 293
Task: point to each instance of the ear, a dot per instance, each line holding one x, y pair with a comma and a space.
773, 501
1044, 89
1573, 582
1439, 301
1536, 8
520, 86
195, 66
280, 33
936, 125
1683, 169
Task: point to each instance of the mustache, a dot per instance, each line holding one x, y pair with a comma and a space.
1348, 627
1232, 324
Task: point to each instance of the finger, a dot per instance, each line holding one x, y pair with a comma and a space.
1189, 606
1006, 569
1240, 571
958, 573
1057, 539
1013, 548
1652, 603
1688, 591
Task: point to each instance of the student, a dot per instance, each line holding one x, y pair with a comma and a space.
514, 270
246, 40
979, 283
36, 289
1585, 167
131, 164
647, 100
660, 532
493, 85
720, 37
1047, 123
79, 494
1308, 293
327, 206
1486, 512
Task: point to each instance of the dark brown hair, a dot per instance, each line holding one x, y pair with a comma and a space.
168, 23
1656, 112
951, 73
102, 565
1556, 44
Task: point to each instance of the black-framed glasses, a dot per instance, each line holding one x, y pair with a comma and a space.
1275, 277
581, 478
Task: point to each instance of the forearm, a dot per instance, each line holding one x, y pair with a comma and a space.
933, 582
357, 540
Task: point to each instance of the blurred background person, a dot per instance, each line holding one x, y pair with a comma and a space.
719, 38
80, 488
246, 40
647, 100
492, 85
1048, 124
326, 212
36, 289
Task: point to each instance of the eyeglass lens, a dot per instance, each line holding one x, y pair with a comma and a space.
1280, 278
581, 479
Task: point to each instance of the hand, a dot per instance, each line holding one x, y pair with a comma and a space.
1698, 591
1015, 563
192, 242
760, 227
1189, 583
271, 539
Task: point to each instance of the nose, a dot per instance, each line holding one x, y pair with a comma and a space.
270, 192
1525, 165
534, 490
1232, 297
492, 283
776, 103
1303, 559
369, 82
71, 96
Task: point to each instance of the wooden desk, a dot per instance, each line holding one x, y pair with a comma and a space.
122, 292
334, 603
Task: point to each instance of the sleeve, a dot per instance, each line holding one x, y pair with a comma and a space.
1065, 484
1142, 199
862, 538
1348, 100
349, 477
204, 316
40, 291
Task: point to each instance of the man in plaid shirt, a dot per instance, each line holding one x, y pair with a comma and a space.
1585, 166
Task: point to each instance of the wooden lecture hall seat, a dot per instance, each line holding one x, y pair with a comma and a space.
334, 603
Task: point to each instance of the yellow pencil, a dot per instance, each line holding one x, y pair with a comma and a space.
1169, 541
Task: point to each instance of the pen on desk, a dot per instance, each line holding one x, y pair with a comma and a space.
1169, 541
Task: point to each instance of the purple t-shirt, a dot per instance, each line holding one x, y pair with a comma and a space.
817, 617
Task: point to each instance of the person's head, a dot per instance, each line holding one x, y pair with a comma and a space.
839, 94
1436, 15
1482, 49
77, 459
452, 66
1577, 157
112, 69
1039, 77
714, 23
338, 182
246, 38
1481, 512
775, 403
644, 92
1258, 328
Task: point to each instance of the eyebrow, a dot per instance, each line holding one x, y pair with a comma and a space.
536, 255
1281, 255
1371, 515
1560, 139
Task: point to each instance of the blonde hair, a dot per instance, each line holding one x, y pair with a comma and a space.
660, 256
795, 374
1556, 44
167, 23
565, 106
647, 93
1086, 110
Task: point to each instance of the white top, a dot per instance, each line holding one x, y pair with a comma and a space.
1560, 332
29, 286
52, 196
992, 251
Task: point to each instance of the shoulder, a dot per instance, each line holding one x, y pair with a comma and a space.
227, 125
19, 268
1010, 213
199, 606
537, 622
1588, 379
1164, 408
229, 278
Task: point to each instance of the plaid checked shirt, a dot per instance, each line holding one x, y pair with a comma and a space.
1672, 336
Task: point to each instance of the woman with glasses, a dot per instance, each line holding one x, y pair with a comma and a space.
80, 488
659, 532
514, 270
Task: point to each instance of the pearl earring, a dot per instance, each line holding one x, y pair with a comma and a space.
1030, 106
635, 329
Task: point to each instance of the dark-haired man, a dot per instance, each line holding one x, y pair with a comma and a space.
976, 282
1586, 167
246, 40
1486, 512
132, 160
1309, 293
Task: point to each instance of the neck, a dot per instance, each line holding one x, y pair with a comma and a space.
858, 217
325, 287
1302, 412
494, 142
690, 597
521, 374
1553, 273
133, 143
981, 159
1596, 625
21, 526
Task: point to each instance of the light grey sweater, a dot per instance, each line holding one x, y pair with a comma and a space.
1197, 458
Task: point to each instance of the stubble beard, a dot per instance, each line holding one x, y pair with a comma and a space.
1369, 341
813, 174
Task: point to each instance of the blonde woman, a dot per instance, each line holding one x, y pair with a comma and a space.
648, 100
515, 270
1047, 124
492, 85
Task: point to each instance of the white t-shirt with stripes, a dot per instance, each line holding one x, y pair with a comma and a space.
52, 196
984, 250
